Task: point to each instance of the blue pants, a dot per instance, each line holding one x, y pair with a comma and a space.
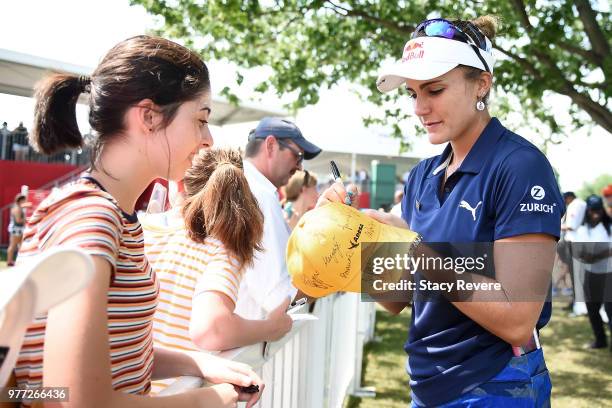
523, 383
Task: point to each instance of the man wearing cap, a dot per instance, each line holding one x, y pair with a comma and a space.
275, 150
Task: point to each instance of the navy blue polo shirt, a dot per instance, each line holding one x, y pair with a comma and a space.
505, 187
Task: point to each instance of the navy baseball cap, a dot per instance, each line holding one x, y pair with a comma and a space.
594, 202
284, 129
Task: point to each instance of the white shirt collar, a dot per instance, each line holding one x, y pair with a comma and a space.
252, 171
443, 165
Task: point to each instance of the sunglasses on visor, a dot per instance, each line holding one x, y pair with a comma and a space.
469, 34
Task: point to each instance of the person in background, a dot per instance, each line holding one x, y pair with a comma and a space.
606, 192
201, 256
397, 203
20, 142
274, 152
300, 194
4, 136
576, 208
149, 104
363, 181
593, 245
15, 228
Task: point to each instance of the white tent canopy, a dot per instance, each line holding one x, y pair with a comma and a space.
19, 72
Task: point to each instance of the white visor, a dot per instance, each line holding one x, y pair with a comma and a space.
56, 274
429, 57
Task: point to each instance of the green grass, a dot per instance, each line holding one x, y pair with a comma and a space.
383, 364
581, 378
2, 258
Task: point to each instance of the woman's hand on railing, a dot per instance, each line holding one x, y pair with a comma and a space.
225, 396
219, 371
279, 322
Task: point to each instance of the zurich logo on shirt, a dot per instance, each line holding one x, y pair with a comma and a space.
538, 193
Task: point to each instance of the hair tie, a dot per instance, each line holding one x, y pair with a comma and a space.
84, 81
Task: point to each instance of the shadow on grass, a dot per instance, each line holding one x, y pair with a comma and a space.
383, 364
2, 258
352, 402
584, 386
576, 372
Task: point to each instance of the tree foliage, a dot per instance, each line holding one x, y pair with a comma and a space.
544, 47
595, 186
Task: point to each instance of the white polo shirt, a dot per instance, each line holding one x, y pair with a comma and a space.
592, 241
265, 285
574, 216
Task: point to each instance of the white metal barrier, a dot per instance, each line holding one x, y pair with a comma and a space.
317, 364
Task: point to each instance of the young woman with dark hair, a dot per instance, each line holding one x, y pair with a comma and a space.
201, 256
149, 101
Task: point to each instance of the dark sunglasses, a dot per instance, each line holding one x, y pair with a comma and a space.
298, 154
469, 34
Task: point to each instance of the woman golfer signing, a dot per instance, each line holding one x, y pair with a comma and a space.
488, 185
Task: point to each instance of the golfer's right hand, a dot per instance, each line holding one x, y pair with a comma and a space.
338, 194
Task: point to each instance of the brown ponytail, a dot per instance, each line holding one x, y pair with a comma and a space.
220, 204
487, 25
55, 124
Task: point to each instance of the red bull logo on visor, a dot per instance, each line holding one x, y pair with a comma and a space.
412, 50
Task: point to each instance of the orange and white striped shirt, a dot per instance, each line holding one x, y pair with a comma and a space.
185, 269
82, 214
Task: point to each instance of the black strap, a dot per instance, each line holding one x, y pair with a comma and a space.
476, 50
